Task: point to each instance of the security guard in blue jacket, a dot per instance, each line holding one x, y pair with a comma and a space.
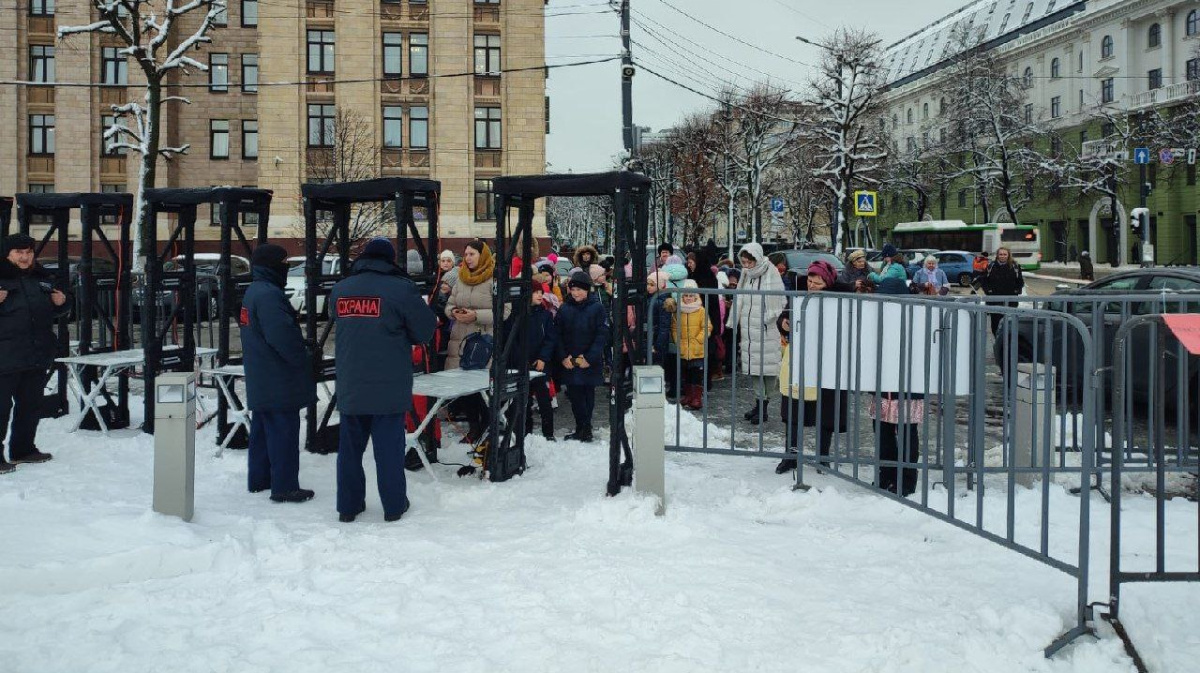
379, 316
279, 380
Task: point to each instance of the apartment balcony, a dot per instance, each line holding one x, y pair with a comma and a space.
1166, 94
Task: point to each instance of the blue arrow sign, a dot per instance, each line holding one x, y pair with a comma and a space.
1141, 155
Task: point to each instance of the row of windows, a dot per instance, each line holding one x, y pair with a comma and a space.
42, 137
218, 73
218, 138
321, 47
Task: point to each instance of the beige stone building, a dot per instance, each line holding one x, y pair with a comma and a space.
451, 90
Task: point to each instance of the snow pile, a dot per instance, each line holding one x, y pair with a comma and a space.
542, 573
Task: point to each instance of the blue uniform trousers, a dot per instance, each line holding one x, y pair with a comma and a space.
274, 455
387, 436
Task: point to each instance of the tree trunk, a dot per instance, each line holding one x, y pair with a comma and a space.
142, 220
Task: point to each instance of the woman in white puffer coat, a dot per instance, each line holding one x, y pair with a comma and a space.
754, 317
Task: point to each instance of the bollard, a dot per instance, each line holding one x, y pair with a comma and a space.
649, 431
175, 444
1033, 406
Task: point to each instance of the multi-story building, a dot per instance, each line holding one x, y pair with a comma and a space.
1075, 57
451, 90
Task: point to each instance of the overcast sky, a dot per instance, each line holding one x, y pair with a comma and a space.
585, 120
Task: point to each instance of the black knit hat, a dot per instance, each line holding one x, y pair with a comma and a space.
18, 242
580, 279
268, 255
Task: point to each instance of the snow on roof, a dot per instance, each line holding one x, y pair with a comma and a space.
987, 19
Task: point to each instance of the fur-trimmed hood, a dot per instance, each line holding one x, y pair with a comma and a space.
579, 255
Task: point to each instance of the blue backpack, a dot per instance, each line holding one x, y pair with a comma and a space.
476, 351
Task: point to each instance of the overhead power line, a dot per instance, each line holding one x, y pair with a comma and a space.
735, 38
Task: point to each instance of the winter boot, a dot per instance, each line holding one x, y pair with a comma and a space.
786, 465
349, 518
752, 415
298, 495
412, 460
759, 414
396, 517
581, 434
34, 456
6, 467
693, 397
548, 428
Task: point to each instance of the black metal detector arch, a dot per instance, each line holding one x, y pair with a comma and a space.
231, 204
102, 297
6, 204
630, 194
339, 199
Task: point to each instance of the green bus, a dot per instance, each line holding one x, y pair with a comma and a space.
1021, 239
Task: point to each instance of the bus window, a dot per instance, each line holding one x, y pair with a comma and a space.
1015, 235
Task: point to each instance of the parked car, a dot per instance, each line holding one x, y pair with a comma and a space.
798, 260
915, 255
208, 283
294, 287
958, 265
100, 265
1064, 349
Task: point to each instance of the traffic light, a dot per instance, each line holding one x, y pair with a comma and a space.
1139, 222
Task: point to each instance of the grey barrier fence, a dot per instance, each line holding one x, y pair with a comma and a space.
1161, 462
927, 400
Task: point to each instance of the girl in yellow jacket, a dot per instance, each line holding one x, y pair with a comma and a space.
690, 329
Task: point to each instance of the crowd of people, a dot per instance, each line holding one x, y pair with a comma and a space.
698, 333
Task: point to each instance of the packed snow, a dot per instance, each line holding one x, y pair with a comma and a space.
542, 573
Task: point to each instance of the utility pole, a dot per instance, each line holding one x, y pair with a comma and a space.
627, 72
728, 119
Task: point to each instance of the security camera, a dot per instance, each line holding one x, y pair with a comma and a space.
628, 71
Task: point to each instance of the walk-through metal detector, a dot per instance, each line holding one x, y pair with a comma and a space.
164, 350
98, 278
6, 204
339, 201
630, 194
233, 206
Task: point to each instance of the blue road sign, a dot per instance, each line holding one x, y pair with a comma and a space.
776, 205
1141, 155
1166, 156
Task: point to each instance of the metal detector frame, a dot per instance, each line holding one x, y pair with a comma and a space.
340, 198
92, 207
630, 194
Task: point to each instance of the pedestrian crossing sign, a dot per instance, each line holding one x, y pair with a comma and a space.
864, 204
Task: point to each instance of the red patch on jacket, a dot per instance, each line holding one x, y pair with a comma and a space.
358, 307
244, 317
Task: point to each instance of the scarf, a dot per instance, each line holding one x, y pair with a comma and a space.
690, 308
487, 267
761, 265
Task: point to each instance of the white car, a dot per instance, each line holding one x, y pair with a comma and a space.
294, 287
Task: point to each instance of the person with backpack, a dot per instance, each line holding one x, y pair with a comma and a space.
279, 381
30, 305
583, 337
470, 307
379, 316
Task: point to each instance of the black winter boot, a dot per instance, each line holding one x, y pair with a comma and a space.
298, 495
6, 467
758, 414
786, 465
548, 429
581, 434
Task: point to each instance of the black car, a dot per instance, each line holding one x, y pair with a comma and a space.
1165, 290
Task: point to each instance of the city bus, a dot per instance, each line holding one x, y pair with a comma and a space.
1021, 239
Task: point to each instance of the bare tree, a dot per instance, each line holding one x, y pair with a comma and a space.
763, 136
846, 99
355, 155
155, 34
912, 170
806, 198
579, 220
695, 193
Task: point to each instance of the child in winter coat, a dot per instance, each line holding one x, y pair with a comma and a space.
690, 329
542, 336
583, 339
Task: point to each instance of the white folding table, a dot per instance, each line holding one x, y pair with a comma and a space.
108, 365
239, 416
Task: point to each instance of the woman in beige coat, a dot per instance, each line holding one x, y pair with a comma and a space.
470, 307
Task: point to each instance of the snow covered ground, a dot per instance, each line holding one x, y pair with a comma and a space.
542, 573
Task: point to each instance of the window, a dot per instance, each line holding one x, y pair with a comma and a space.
218, 73
1154, 36
1027, 77
487, 2
1080, 68
418, 127
908, 116
1056, 107
41, 63
41, 134
895, 121
485, 201
320, 125
1050, 7
487, 54
1029, 113
1106, 90
1193, 69
218, 139
942, 106
1155, 78
1106, 47
1081, 100
41, 8
114, 67
108, 142
249, 138
487, 128
962, 198
320, 51
110, 218
1191, 175
1083, 137
41, 188
249, 13
910, 144
418, 54
1055, 68
393, 47
1193, 23
1003, 24
393, 126
1028, 11
925, 111
249, 73
222, 17
1108, 130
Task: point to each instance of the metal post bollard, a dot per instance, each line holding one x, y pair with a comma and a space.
649, 430
1033, 406
175, 444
